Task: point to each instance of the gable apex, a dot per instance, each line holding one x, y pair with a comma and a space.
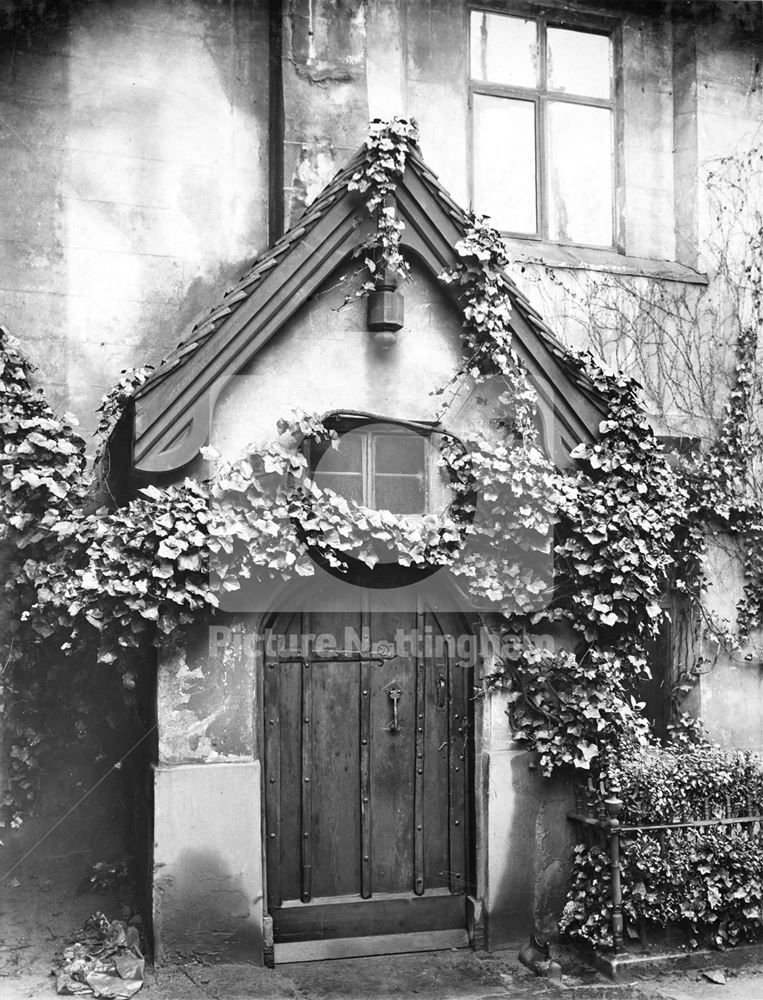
172, 408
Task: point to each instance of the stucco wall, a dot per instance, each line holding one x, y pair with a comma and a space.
134, 142
729, 89
647, 62
526, 846
327, 360
134, 150
729, 695
208, 877
208, 874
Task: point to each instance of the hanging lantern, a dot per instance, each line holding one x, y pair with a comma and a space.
385, 310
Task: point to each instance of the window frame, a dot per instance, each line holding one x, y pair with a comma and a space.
540, 96
370, 429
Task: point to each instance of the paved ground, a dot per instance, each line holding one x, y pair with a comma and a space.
441, 976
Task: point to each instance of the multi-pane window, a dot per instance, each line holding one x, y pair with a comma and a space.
378, 465
543, 108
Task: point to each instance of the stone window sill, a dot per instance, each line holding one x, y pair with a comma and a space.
593, 259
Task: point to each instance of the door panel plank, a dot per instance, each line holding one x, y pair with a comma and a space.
418, 794
307, 769
290, 796
336, 830
392, 760
456, 775
354, 947
374, 916
336, 779
437, 863
273, 780
366, 846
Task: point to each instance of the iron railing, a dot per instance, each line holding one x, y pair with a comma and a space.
597, 815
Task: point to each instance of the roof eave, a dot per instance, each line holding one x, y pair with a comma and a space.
173, 409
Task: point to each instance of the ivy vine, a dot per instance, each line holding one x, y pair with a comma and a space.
590, 551
706, 880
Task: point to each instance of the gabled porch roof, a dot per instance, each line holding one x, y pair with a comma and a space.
172, 408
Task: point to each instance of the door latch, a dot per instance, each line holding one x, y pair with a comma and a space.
442, 693
394, 693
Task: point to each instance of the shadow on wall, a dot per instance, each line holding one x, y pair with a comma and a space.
201, 910
529, 895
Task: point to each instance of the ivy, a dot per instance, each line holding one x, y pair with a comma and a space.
42, 462
624, 527
588, 552
114, 403
535, 543
567, 705
389, 144
708, 880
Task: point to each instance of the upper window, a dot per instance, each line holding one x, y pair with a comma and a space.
378, 465
543, 110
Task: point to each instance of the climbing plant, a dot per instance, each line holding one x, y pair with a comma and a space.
389, 144
706, 880
588, 552
589, 547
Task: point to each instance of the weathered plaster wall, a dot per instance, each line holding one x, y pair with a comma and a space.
346, 61
205, 692
436, 72
527, 839
208, 879
648, 138
208, 875
729, 696
729, 89
324, 94
134, 183
326, 360
134, 142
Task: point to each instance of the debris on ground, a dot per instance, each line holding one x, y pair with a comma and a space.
715, 976
536, 956
104, 961
114, 876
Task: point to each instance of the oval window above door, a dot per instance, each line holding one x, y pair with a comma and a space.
384, 465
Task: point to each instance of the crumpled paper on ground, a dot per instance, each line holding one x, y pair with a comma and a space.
108, 964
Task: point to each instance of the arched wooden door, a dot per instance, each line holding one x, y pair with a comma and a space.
367, 780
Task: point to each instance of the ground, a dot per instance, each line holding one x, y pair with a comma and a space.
459, 975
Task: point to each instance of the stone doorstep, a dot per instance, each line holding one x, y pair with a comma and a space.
619, 968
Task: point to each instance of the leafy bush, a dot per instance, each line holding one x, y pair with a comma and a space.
705, 880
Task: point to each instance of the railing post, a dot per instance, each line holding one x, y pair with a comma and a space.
614, 807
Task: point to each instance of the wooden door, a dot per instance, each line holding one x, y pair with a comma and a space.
367, 777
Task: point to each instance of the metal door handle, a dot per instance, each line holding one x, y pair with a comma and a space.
394, 693
442, 692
